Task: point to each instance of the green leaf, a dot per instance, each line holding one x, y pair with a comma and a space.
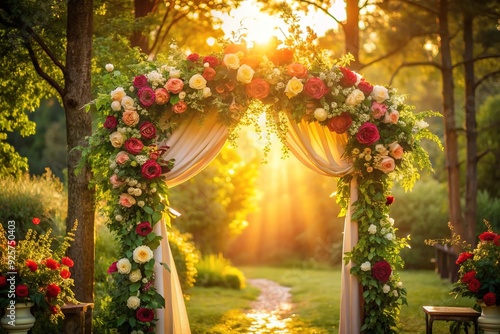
134, 287
157, 216
148, 210
121, 319
165, 266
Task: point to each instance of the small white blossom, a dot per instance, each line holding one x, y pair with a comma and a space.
110, 67
137, 192
386, 288
118, 218
144, 280
399, 285
372, 229
366, 266
140, 204
395, 293
389, 236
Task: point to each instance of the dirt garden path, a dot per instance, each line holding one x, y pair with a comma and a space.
270, 312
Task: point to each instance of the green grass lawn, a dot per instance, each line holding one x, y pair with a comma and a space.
316, 295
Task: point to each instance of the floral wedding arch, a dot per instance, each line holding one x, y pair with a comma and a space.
166, 120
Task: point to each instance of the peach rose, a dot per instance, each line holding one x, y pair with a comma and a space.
258, 88
126, 200
116, 181
391, 117
294, 87
386, 165
296, 70
117, 139
180, 107
174, 85
118, 94
122, 157
130, 117
161, 96
395, 150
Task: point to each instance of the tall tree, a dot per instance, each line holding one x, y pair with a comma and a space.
54, 41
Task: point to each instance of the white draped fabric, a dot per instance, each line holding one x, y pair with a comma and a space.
193, 146
321, 150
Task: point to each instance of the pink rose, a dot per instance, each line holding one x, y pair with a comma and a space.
315, 88
130, 117
147, 130
367, 134
122, 157
110, 123
349, 78
126, 200
395, 150
140, 81
146, 96
174, 85
180, 107
150, 170
133, 145
116, 181
391, 117
161, 96
386, 165
112, 268
378, 109
211, 60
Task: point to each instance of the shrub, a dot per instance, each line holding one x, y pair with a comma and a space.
185, 257
215, 270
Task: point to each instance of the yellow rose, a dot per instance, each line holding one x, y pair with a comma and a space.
293, 87
355, 98
231, 61
197, 81
117, 139
118, 94
142, 254
245, 74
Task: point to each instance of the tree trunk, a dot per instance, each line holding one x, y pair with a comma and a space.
77, 93
470, 126
142, 8
450, 131
351, 32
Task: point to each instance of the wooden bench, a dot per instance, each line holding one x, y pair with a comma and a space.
449, 313
77, 318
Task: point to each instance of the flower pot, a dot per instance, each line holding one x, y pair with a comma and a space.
489, 321
18, 318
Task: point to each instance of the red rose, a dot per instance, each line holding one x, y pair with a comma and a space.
258, 88
497, 240
51, 264
133, 145
208, 73
315, 88
487, 236
349, 78
53, 290
67, 262
112, 268
211, 60
22, 290
3, 280
193, 57
146, 96
381, 271
65, 273
150, 170
468, 276
389, 200
490, 299
340, 123
110, 123
365, 87
54, 309
474, 285
31, 265
143, 229
145, 314
367, 134
35, 221
147, 130
140, 81
282, 57
463, 257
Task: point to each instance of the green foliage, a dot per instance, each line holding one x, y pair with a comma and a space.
106, 252
215, 270
185, 255
488, 208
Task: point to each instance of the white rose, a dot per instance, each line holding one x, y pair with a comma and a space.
174, 73
358, 77
355, 98
118, 94
245, 74
135, 275
399, 285
372, 229
116, 105
232, 61
293, 87
207, 92
141, 204
197, 81
128, 102
110, 67
366, 266
391, 221
386, 288
395, 293
320, 114
379, 93
182, 95
123, 266
117, 139
142, 254
118, 218
389, 236
133, 302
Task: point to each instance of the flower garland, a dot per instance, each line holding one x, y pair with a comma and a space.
137, 113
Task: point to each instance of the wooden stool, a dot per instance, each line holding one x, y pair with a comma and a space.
449, 314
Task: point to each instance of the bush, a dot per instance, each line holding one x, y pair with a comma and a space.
106, 252
215, 270
185, 257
